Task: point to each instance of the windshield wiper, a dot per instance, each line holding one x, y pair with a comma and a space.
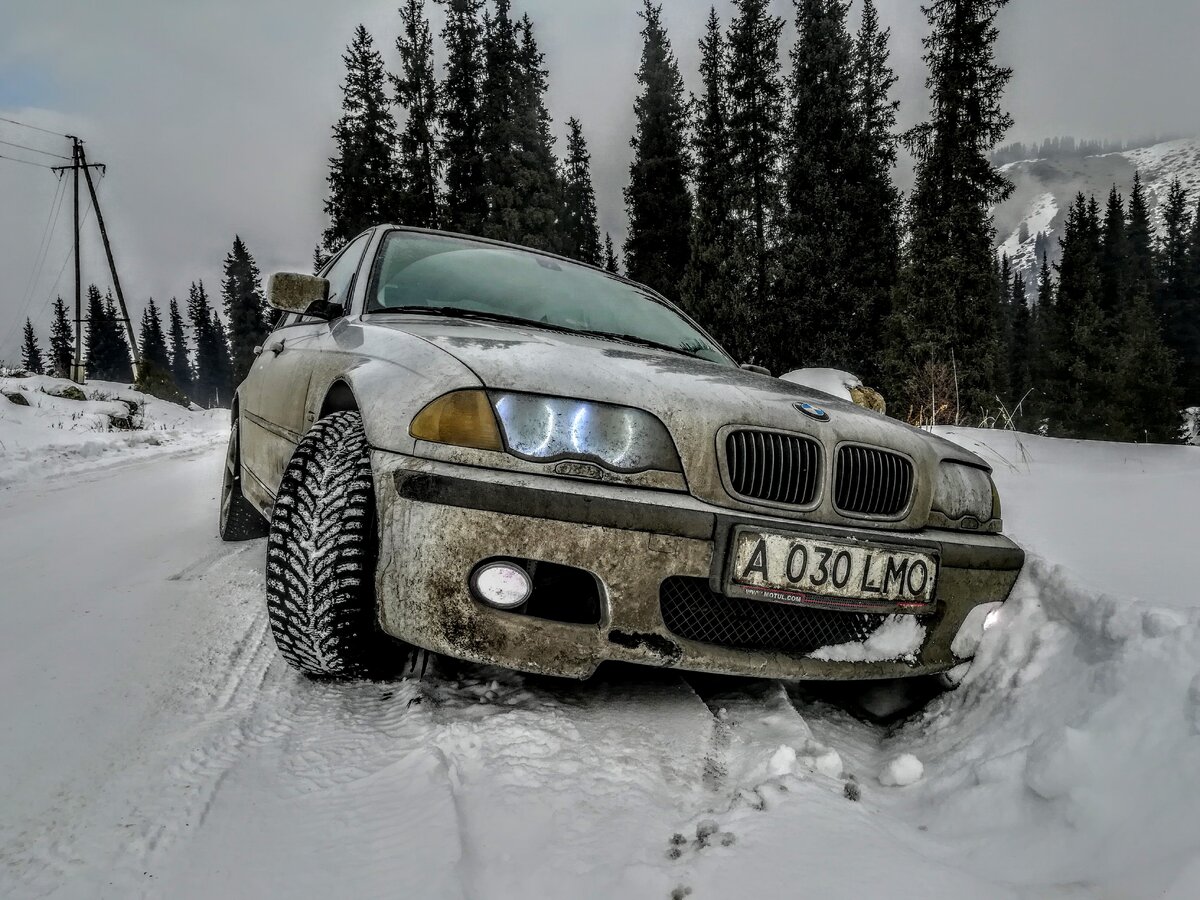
645, 342
482, 315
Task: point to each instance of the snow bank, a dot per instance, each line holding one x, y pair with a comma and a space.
901, 771
53, 434
1071, 753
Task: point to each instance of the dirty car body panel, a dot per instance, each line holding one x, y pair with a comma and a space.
660, 566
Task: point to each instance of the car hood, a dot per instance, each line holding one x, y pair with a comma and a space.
694, 398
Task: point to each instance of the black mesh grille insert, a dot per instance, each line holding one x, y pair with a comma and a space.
872, 482
777, 468
692, 611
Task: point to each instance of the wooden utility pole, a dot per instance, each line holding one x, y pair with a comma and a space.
77, 373
112, 266
79, 164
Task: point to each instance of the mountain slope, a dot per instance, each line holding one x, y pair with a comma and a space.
1044, 189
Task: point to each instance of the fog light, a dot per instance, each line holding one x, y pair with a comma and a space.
504, 585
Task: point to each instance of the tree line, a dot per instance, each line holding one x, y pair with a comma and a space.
474, 152
765, 206
203, 368
1111, 348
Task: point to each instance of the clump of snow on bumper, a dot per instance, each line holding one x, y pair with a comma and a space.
898, 638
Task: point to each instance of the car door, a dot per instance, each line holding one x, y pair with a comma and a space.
276, 391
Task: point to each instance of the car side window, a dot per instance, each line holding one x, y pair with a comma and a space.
341, 274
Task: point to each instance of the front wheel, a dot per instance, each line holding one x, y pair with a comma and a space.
321, 558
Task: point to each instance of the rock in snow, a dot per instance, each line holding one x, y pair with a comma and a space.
901, 771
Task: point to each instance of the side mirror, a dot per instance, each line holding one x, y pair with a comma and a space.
757, 370
306, 295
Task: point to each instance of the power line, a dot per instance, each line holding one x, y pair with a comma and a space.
27, 162
35, 150
34, 127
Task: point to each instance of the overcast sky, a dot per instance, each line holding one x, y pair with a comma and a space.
214, 115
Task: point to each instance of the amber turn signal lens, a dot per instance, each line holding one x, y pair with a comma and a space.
463, 419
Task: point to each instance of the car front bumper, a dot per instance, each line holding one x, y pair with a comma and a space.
439, 520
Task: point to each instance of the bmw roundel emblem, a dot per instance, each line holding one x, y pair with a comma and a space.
813, 412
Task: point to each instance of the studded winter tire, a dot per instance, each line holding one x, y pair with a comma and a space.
239, 520
321, 558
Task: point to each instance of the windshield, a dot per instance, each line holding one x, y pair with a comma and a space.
441, 274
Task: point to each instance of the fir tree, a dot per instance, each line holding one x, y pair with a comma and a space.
580, 233
1081, 397
416, 93
1176, 301
363, 176
657, 199
708, 291
1139, 233
154, 342
1114, 256
211, 353
1149, 399
62, 341
875, 219
944, 304
122, 363
107, 352
154, 371
611, 263
223, 382
461, 118
519, 166
755, 121
245, 308
31, 353
1020, 377
181, 365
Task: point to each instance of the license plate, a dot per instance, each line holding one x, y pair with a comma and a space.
787, 568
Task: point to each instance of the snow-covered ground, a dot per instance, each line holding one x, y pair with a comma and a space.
156, 746
50, 434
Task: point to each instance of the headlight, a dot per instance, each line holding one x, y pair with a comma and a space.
965, 496
547, 429
620, 438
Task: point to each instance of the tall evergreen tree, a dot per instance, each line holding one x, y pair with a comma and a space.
31, 353
709, 289
363, 175
154, 342
223, 382
580, 233
461, 118
875, 220
611, 263
181, 365
1139, 234
1081, 391
107, 352
755, 123
944, 303
1177, 302
657, 199
1020, 377
416, 94
245, 308
211, 352
1114, 255
122, 362
62, 341
519, 165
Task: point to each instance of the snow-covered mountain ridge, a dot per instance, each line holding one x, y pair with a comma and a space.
1045, 188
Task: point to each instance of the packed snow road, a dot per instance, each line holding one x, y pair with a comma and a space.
156, 746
